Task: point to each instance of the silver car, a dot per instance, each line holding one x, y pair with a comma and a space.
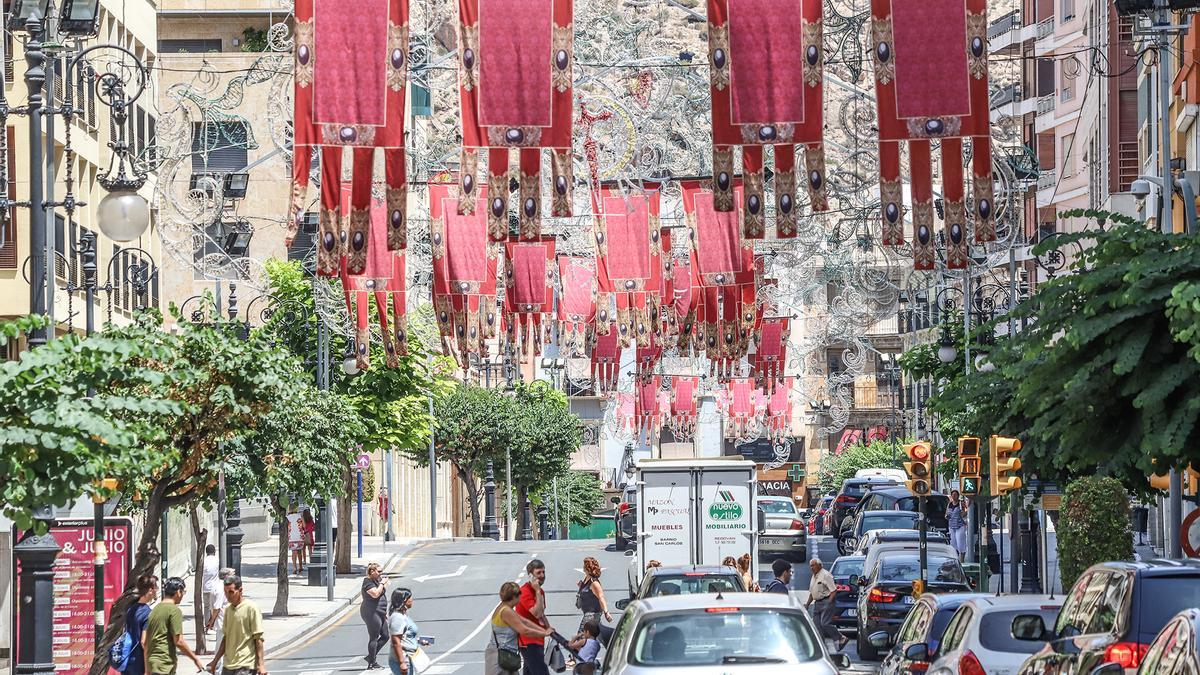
716, 635
785, 534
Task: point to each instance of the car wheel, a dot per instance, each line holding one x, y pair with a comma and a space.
865, 651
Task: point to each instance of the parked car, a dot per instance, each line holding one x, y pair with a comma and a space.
896, 475
696, 634
979, 641
865, 521
892, 536
784, 535
626, 519
816, 523
848, 497
921, 635
662, 581
845, 601
900, 498
1174, 651
885, 593
1112, 613
878, 550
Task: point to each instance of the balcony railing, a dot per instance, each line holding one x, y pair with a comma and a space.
1045, 28
1002, 25
869, 395
1010, 94
1045, 104
1046, 179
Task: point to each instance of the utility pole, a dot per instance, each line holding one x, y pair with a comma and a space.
39, 264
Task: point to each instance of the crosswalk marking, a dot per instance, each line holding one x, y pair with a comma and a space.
443, 669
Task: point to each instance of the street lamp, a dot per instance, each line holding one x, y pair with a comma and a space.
350, 360
947, 352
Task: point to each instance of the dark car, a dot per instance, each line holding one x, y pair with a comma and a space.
816, 522
1112, 613
848, 498
900, 498
917, 642
845, 602
1175, 650
625, 519
866, 521
885, 594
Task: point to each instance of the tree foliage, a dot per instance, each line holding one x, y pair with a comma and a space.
579, 493
547, 432
1094, 527
835, 468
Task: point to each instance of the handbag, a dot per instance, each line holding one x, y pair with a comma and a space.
507, 659
420, 660
555, 660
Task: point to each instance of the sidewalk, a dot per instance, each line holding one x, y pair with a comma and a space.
308, 608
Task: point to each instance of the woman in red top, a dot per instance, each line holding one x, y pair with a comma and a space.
309, 526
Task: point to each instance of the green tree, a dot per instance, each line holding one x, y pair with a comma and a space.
1094, 527
546, 435
833, 468
74, 411
579, 493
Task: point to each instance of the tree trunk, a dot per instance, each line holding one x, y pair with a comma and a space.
201, 535
144, 562
282, 584
468, 482
345, 524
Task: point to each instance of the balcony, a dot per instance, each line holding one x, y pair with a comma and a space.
1045, 105
1046, 179
1004, 24
1005, 96
1045, 28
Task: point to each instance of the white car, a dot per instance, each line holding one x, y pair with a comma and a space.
897, 475
705, 634
875, 537
979, 638
785, 535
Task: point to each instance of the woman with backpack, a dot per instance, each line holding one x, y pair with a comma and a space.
126, 654
503, 656
590, 596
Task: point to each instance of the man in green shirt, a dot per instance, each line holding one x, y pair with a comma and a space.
241, 636
164, 632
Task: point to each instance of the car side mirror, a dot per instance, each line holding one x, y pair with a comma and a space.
615, 500
1029, 627
1109, 668
879, 640
917, 651
854, 579
621, 604
629, 553
762, 521
842, 661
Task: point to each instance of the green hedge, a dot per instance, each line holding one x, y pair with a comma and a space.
1094, 526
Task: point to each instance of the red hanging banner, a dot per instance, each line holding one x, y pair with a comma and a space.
577, 304
464, 275
528, 274
629, 263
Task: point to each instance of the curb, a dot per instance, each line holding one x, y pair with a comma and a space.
337, 607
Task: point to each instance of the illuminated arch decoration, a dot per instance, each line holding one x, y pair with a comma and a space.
351, 67
766, 75
529, 294
724, 276
931, 82
464, 274
629, 264
515, 90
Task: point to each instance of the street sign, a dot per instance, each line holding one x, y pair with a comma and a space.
970, 485
363, 462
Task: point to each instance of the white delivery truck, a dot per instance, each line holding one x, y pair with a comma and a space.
694, 512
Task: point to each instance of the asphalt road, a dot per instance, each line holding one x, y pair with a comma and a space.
455, 587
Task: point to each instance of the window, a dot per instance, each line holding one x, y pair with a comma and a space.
713, 637
1067, 81
1068, 11
914, 627
1068, 155
1072, 610
219, 147
995, 631
956, 629
199, 46
8, 229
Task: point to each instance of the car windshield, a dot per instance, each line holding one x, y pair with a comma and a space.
694, 582
900, 520
724, 635
847, 567
995, 630
777, 506
1163, 597
908, 568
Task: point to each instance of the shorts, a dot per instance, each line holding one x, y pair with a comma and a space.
958, 539
239, 671
295, 546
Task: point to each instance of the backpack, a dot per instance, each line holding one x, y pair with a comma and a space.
118, 653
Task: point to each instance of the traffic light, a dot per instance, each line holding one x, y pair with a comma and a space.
919, 467
968, 465
1004, 464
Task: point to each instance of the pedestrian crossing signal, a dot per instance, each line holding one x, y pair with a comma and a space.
969, 485
919, 467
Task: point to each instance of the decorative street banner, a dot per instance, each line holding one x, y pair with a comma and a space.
464, 276
74, 590
629, 263
931, 82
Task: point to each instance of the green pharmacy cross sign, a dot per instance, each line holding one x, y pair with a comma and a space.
970, 485
796, 473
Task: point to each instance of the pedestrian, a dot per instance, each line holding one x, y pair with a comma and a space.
211, 579
503, 654
135, 624
956, 518
821, 589
532, 606
745, 568
310, 532
590, 596
332, 510
162, 638
403, 633
783, 576
241, 636
373, 611
216, 612
295, 535
587, 646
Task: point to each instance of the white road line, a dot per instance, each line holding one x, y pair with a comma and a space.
478, 629
443, 669
315, 672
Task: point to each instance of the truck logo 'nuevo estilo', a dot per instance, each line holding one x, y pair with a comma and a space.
725, 508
